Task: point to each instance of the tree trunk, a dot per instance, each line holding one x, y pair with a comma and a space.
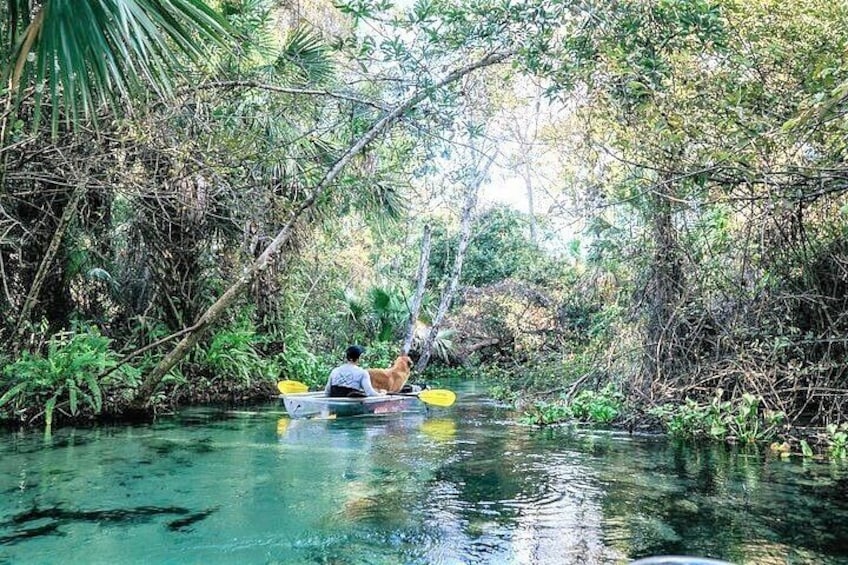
531, 213
208, 318
456, 271
420, 286
664, 294
44, 267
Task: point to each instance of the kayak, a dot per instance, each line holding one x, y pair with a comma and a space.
317, 404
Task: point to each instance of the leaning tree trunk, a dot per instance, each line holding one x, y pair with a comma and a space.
208, 318
420, 286
456, 271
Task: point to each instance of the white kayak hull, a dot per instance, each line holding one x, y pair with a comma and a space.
316, 404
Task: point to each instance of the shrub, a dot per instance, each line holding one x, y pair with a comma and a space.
299, 364
546, 413
837, 440
737, 420
231, 356
602, 406
67, 378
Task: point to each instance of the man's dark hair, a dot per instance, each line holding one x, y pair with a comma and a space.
353, 352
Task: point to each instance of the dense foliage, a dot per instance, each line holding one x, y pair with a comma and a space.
254, 181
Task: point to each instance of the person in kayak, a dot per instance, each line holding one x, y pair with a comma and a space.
349, 379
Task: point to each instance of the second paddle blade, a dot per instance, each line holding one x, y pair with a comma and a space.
437, 397
291, 387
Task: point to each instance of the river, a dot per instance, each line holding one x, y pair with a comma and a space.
451, 486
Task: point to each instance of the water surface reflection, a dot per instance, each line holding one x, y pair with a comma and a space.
463, 485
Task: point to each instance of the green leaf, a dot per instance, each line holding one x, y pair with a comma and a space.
806, 450
87, 54
13, 392
72, 398
306, 56
48, 410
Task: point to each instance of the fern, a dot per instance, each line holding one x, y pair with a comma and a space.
67, 374
231, 356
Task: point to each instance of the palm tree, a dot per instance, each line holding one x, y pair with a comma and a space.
81, 55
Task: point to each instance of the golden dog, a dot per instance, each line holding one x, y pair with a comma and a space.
393, 378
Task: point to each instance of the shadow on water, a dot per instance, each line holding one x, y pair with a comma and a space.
183, 524
167, 448
29, 533
57, 517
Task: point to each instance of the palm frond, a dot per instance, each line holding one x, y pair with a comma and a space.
96, 52
385, 200
389, 311
443, 347
354, 306
305, 57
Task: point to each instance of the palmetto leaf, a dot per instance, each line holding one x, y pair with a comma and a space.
383, 202
305, 56
389, 310
443, 346
354, 306
381, 300
253, 20
85, 54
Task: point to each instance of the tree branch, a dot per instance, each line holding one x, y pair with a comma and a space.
214, 312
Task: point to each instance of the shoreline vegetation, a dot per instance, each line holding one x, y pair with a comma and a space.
231, 192
743, 423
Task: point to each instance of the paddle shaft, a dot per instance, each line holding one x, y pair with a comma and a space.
434, 396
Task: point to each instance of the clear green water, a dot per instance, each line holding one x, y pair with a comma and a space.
462, 485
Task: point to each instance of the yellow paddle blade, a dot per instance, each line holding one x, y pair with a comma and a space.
437, 397
291, 387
